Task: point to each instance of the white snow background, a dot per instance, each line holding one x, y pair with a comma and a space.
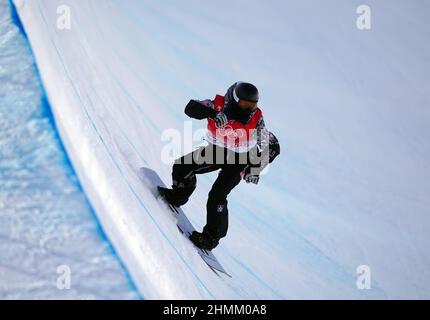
349, 106
48, 231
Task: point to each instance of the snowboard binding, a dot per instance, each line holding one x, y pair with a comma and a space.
171, 197
203, 240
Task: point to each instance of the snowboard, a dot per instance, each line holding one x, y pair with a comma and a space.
152, 180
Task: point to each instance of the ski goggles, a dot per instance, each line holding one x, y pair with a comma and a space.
245, 105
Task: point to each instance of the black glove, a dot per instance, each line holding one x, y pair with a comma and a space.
220, 119
249, 177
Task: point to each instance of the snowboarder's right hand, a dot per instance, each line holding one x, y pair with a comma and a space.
220, 119
250, 176
252, 179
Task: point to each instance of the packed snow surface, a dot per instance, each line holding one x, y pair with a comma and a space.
349, 106
48, 231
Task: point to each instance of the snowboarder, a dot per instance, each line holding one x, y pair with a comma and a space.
238, 144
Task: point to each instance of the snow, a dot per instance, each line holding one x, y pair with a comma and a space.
348, 106
46, 223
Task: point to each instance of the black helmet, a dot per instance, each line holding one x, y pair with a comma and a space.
245, 91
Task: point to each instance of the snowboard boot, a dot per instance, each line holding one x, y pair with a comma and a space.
172, 197
204, 240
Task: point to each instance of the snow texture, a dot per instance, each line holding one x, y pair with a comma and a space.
47, 226
349, 106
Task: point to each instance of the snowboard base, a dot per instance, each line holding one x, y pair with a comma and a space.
153, 180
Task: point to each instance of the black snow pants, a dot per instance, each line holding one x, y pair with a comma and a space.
208, 159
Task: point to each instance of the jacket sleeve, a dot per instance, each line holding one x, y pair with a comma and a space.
200, 109
274, 147
267, 150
